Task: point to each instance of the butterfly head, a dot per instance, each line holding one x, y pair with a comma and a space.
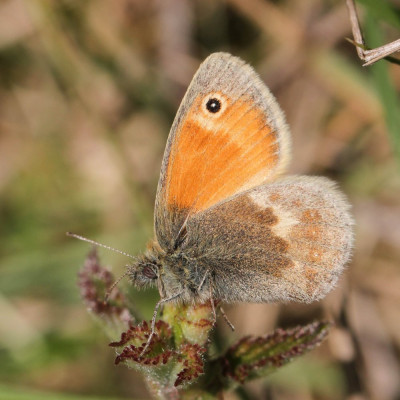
145, 270
143, 274
172, 274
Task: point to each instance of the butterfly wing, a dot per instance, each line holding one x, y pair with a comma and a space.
211, 155
287, 240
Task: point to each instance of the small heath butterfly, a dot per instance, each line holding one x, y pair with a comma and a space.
228, 224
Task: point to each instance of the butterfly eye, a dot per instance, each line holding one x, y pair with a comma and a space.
213, 105
148, 272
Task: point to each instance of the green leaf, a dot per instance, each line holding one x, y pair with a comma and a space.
383, 11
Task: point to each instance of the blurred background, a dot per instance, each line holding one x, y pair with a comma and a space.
88, 92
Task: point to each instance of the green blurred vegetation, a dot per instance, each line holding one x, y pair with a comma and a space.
88, 91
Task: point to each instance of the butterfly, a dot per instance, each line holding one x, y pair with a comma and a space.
229, 225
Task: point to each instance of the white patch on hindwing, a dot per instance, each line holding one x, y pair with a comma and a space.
286, 219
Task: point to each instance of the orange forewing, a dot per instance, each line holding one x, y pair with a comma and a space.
214, 160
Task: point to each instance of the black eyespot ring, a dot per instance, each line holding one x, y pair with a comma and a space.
213, 105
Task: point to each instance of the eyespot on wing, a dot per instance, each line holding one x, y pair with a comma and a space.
211, 156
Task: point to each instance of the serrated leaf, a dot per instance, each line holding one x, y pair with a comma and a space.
162, 361
255, 357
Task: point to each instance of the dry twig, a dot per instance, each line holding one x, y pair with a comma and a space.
370, 56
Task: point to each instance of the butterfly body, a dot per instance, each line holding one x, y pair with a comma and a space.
228, 225
173, 272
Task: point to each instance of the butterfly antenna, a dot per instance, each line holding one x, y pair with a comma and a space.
74, 235
109, 291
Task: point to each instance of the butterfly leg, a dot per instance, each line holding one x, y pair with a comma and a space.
226, 318
153, 320
211, 295
202, 282
213, 310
